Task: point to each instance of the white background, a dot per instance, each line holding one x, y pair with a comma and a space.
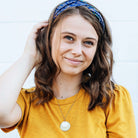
17, 18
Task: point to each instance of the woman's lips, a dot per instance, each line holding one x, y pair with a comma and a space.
73, 61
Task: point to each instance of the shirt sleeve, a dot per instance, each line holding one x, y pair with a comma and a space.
120, 121
23, 101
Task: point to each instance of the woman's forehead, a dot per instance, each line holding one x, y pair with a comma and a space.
76, 24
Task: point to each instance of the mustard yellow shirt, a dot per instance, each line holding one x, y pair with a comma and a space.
44, 121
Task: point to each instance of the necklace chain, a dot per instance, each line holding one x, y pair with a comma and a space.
65, 125
64, 117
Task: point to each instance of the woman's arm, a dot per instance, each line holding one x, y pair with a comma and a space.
13, 79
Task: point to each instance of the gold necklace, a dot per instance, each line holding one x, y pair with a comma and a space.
65, 125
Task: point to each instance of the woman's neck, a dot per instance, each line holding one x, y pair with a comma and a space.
65, 86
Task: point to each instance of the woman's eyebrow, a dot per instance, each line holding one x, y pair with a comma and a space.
91, 38
75, 35
68, 33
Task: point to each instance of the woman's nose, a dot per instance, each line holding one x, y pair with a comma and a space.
77, 49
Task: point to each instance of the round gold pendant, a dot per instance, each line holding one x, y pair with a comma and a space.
65, 126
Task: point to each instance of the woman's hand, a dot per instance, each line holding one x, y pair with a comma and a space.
30, 47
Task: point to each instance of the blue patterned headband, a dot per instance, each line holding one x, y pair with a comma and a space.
78, 3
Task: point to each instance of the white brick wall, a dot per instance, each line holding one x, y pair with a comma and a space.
18, 17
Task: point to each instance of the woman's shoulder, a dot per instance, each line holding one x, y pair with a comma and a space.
27, 93
121, 100
121, 92
29, 90
120, 119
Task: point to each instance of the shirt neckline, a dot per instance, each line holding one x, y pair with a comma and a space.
68, 100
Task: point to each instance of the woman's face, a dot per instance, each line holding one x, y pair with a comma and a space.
74, 44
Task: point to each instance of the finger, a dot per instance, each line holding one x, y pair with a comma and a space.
39, 26
44, 21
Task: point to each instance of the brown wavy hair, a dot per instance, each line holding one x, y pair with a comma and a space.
96, 79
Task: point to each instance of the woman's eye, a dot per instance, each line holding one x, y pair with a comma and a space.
69, 38
90, 43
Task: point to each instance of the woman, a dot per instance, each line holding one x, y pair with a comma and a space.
74, 95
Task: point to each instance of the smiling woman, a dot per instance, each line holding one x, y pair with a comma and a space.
74, 95
76, 50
